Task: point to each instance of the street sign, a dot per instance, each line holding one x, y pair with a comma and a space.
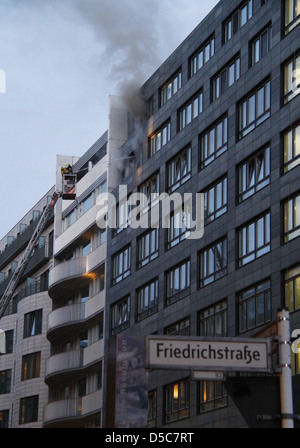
223, 354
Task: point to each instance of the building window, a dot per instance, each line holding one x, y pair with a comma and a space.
87, 203
5, 382
295, 362
190, 110
177, 232
177, 403
213, 263
291, 148
226, 78
291, 78
70, 219
261, 45
159, 139
4, 419
213, 395
237, 20
254, 306
9, 341
147, 300
178, 282
120, 315
203, 55
170, 88
150, 189
121, 263
152, 408
255, 109
213, 321
254, 240
122, 217
213, 142
292, 218
179, 169
147, 247
31, 366
215, 201
254, 174
292, 15
292, 288
86, 248
33, 323
29, 409
181, 328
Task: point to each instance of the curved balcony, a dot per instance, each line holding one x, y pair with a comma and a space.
63, 366
66, 319
71, 274
73, 410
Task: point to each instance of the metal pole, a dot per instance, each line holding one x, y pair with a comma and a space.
286, 390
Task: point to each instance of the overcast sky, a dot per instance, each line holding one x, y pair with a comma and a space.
62, 60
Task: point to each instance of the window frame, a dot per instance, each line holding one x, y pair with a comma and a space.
173, 412
212, 314
156, 143
34, 318
245, 115
245, 230
123, 318
220, 82
205, 280
179, 328
258, 38
29, 407
31, 366
236, 14
124, 273
143, 311
290, 205
290, 26
293, 278
289, 136
145, 243
206, 141
244, 174
195, 63
190, 110
217, 211
171, 169
184, 278
244, 301
170, 87
293, 66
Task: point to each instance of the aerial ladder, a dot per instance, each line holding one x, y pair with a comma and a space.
68, 182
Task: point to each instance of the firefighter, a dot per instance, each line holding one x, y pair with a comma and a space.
67, 169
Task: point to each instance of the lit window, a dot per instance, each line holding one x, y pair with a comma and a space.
292, 288
292, 15
159, 139
291, 148
292, 218
292, 79
177, 402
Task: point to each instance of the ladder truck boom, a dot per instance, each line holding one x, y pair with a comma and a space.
17, 274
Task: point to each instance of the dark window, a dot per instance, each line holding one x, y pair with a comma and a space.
213, 142
9, 341
292, 218
120, 315
33, 323
215, 201
254, 306
213, 262
203, 55
179, 169
121, 263
254, 174
255, 109
5, 382
226, 78
213, 321
147, 299
159, 139
254, 239
152, 408
261, 45
31, 366
147, 247
237, 20
170, 88
29, 409
178, 281
177, 403
190, 110
181, 328
4, 418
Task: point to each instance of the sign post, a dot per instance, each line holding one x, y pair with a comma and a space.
286, 390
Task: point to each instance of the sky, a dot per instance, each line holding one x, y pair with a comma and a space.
62, 59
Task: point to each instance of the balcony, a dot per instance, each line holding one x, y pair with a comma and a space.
71, 274
66, 366
66, 319
73, 410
